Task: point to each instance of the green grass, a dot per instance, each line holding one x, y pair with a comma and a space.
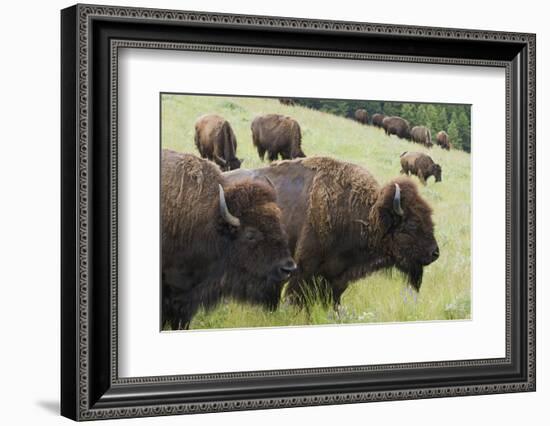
381, 297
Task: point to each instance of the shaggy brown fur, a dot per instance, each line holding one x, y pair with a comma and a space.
277, 134
342, 225
421, 165
442, 139
362, 116
396, 126
215, 140
287, 101
421, 134
377, 120
204, 258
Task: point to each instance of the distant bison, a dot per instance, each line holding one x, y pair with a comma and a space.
219, 240
362, 116
421, 134
421, 165
377, 119
215, 140
342, 225
287, 101
442, 139
277, 134
396, 126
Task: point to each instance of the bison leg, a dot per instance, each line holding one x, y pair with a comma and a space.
421, 177
261, 152
305, 292
337, 292
273, 155
285, 155
177, 312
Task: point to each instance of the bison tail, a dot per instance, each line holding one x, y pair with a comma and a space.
296, 138
229, 142
198, 142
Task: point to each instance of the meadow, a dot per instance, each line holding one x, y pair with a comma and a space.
382, 297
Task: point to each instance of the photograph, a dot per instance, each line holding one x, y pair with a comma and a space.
267, 210
282, 211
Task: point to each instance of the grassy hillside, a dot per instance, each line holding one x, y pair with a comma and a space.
445, 292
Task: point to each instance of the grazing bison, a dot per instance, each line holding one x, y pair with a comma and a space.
421, 165
216, 141
342, 225
287, 101
362, 116
396, 126
277, 134
421, 134
377, 119
442, 139
219, 240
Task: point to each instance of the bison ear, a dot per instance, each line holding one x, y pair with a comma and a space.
224, 210
388, 211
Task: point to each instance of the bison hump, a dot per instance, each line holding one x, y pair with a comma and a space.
339, 190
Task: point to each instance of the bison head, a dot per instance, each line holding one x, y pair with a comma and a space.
436, 172
231, 164
256, 247
234, 164
406, 231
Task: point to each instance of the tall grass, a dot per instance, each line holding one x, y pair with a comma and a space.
381, 297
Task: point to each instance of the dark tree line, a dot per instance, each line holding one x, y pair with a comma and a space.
454, 119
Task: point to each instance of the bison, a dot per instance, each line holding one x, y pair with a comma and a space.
343, 225
442, 139
219, 240
421, 165
277, 134
377, 119
215, 140
396, 126
421, 134
287, 101
362, 116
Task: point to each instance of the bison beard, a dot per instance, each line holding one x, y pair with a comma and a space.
413, 273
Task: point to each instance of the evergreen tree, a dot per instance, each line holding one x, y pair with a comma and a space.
441, 122
454, 119
454, 138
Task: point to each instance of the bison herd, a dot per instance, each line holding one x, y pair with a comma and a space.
400, 127
231, 233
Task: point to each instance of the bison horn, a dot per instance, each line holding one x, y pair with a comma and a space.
227, 216
220, 160
270, 182
397, 201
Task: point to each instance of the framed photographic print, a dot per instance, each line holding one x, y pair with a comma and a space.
263, 212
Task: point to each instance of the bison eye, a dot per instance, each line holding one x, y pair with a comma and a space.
250, 234
412, 226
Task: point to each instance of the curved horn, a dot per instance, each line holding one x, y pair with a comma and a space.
397, 201
224, 211
220, 159
269, 181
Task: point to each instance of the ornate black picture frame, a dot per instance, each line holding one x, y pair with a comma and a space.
90, 385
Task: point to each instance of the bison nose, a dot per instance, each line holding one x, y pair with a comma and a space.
288, 266
435, 253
